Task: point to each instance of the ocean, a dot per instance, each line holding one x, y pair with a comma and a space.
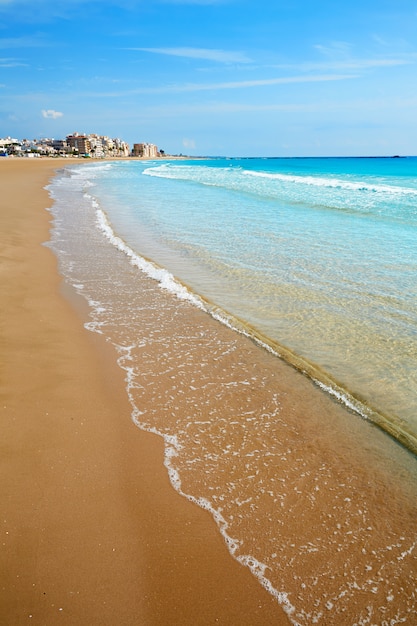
217, 279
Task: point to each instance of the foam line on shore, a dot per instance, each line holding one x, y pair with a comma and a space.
167, 281
172, 446
150, 342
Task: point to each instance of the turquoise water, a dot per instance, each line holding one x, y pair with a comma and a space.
317, 255
318, 265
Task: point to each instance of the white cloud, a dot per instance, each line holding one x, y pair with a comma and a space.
21, 42
50, 114
335, 48
322, 106
245, 84
339, 57
188, 143
221, 56
266, 82
353, 64
11, 62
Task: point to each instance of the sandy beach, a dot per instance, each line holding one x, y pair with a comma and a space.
92, 531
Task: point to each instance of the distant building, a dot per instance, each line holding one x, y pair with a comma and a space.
8, 145
97, 146
145, 150
120, 148
115, 147
60, 146
79, 143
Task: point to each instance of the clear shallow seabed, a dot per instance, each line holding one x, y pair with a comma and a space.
317, 257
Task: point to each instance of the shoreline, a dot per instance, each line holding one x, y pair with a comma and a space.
91, 516
337, 371
393, 428
293, 480
390, 423
93, 531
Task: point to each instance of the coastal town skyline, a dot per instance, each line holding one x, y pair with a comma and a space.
89, 145
214, 77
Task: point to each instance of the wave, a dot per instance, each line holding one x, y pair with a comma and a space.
165, 279
335, 183
375, 197
222, 177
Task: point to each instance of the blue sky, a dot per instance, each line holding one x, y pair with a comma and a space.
214, 77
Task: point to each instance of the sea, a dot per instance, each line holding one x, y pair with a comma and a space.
219, 280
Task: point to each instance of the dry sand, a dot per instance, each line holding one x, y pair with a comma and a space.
92, 531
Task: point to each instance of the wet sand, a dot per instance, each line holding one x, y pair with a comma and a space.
92, 531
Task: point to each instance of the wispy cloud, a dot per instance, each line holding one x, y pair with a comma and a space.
169, 110
368, 63
339, 56
21, 42
11, 62
188, 143
197, 2
335, 49
220, 56
352, 64
196, 87
50, 114
51, 4
247, 84
48, 11
266, 82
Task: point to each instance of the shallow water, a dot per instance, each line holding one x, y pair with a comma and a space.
319, 504
318, 255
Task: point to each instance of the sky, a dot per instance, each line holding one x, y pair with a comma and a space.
214, 77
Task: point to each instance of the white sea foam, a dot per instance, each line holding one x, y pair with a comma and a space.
343, 397
165, 279
334, 183
219, 176
172, 448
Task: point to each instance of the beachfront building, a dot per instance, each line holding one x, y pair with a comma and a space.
43, 147
8, 143
79, 144
26, 147
115, 147
11, 146
120, 148
60, 146
145, 150
97, 146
